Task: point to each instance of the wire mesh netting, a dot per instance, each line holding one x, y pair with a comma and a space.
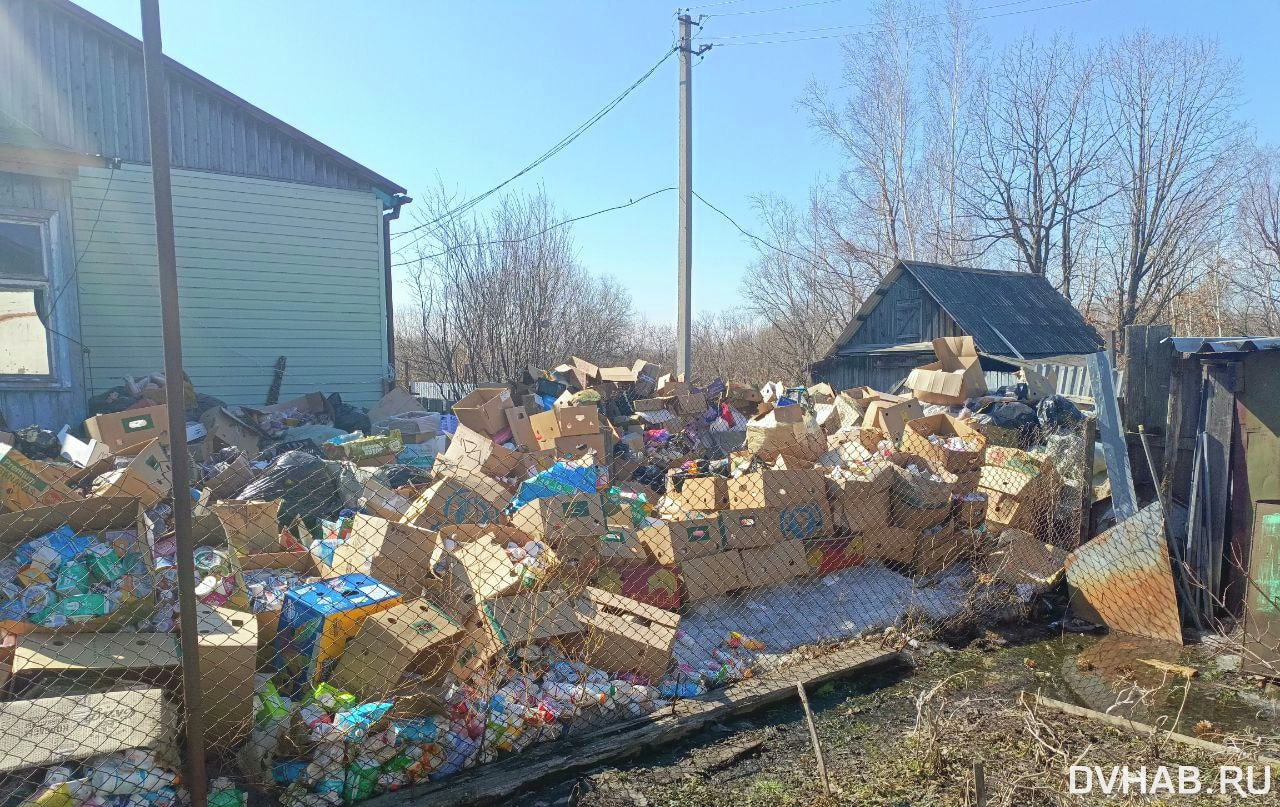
384, 603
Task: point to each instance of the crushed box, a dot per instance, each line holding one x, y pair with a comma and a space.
622, 635
414, 638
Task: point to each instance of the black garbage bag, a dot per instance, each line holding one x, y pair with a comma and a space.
348, 417
651, 475
397, 476
37, 443
1016, 417
1056, 412
304, 484
116, 399
203, 403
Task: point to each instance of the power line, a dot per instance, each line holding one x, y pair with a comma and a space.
551, 152
873, 26
771, 10
75, 268
938, 17
749, 234
540, 232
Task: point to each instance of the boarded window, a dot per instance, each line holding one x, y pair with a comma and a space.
906, 321
24, 340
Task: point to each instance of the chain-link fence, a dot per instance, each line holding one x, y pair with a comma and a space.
385, 601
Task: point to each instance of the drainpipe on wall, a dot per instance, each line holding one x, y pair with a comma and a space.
391, 211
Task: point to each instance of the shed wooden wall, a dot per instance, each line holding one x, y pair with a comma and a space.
265, 269
905, 314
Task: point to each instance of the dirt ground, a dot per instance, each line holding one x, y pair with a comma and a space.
912, 736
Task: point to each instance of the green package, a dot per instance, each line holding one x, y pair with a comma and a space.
105, 564
362, 777
73, 579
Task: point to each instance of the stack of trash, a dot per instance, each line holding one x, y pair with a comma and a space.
389, 596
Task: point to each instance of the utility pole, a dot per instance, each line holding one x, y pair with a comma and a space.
153, 69
684, 309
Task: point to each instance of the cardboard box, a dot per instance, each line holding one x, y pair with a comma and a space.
252, 527
484, 409
1019, 513
971, 510
63, 664
414, 426
564, 421
53, 730
521, 429
94, 516
770, 565
916, 440
619, 543
812, 519
870, 513
119, 430
577, 448
316, 623
954, 378
228, 659
673, 542
224, 428
558, 517
890, 413
1017, 558
28, 483
861, 503
827, 555
471, 452
703, 493
302, 563
481, 569
891, 545
416, 638
912, 517
397, 554
238, 475
366, 448
397, 401
710, 576
648, 582
457, 499
690, 405
622, 635
147, 477
619, 375
382, 501
769, 488
748, 528
530, 617
938, 548
769, 439
313, 406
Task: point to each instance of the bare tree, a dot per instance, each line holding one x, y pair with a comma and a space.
1039, 156
494, 294
804, 285
1170, 103
1256, 284
879, 128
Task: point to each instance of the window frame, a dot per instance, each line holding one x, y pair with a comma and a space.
47, 222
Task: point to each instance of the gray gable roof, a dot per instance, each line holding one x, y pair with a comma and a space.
1006, 313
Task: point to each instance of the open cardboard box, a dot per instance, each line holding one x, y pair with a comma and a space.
484, 409
916, 436
890, 413
93, 516
26, 483
118, 430
623, 635
397, 554
416, 637
954, 378
681, 540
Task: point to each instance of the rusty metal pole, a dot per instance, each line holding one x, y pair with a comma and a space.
158, 118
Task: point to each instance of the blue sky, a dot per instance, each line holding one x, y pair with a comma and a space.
469, 92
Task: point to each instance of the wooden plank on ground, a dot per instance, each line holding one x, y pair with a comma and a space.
498, 781
1151, 731
1124, 501
1125, 577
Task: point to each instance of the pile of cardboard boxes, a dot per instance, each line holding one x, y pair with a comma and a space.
569, 518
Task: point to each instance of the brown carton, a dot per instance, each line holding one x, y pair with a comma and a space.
228, 657
53, 730
484, 409
223, 428
415, 638
622, 635
566, 516
679, 541
564, 421
25, 482
393, 553
891, 545
119, 430
954, 378
471, 452
770, 488
710, 576
252, 527
521, 428
916, 436
530, 617
770, 565
890, 414
704, 493
754, 527
458, 499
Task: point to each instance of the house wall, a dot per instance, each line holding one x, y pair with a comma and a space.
78, 82
905, 314
266, 268
62, 401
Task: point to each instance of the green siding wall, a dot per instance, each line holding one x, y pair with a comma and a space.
265, 269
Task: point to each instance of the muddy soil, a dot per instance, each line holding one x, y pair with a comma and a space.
887, 742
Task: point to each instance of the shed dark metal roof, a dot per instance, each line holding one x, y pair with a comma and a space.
1223, 344
1007, 313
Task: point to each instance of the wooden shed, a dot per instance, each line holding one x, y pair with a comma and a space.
1013, 315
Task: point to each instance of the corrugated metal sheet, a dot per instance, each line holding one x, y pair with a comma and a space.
1221, 344
1008, 313
265, 269
77, 81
